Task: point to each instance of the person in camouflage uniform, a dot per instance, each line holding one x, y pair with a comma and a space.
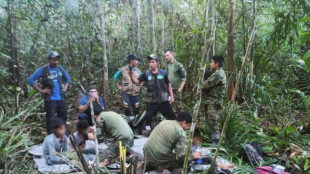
214, 90
169, 135
113, 126
177, 76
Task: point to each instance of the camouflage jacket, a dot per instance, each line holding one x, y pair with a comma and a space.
214, 88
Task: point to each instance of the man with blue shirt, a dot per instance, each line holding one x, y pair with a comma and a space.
55, 82
84, 109
131, 91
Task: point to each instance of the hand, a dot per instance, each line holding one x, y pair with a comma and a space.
91, 129
130, 73
180, 89
120, 88
65, 88
91, 136
82, 147
45, 91
95, 98
171, 99
197, 155
104, 163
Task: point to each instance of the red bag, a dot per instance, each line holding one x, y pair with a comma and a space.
267, 170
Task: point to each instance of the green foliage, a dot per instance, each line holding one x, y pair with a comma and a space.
273, 104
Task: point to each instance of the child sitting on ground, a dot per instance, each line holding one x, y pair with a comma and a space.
84, 136
55, 143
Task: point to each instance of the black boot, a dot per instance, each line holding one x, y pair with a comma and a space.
215, 142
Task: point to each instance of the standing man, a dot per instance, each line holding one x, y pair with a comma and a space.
84, 108
158, 91
177, 76
214, 90
55, 82
131, 91
167, 144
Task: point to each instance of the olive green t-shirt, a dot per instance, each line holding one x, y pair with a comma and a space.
166, 137
176, 74
115, 126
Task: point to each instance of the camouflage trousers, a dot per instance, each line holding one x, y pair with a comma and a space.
213, 119
177, 105
174, 164
113, 150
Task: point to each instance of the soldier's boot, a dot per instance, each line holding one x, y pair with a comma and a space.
215, 142
215, 138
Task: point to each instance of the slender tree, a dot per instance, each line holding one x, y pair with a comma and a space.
13, 63
135, 6
252, 46
230, 47
104, 49
153, 6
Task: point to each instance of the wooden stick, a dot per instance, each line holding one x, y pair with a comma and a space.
80, 155
200, 75
93, 167
95, 132
245, 59
69, 162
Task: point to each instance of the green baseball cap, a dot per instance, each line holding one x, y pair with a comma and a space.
153, 57
52, 55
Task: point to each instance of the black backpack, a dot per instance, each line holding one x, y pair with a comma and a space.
252, 152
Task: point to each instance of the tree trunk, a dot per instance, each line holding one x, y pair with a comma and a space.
230, 48
153, 25
104, 49
136, 23
213, 27
163, 43
252, 46
12, 44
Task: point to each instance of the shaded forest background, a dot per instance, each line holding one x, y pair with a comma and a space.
94, 38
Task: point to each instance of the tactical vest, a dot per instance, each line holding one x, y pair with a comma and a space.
47, 81
128, 86
156, 87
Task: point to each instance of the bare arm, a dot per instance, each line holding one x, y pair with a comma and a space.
43, 91
119, 86
181, 86
141, 84
83, 108
65, 87
170, 93
133, 79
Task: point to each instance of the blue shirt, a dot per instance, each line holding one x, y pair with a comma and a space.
85, 99
56, 94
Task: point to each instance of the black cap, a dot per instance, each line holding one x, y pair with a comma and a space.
153, 57
133, 57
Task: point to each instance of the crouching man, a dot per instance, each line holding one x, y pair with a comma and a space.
113, 126
55, 143
169, 135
